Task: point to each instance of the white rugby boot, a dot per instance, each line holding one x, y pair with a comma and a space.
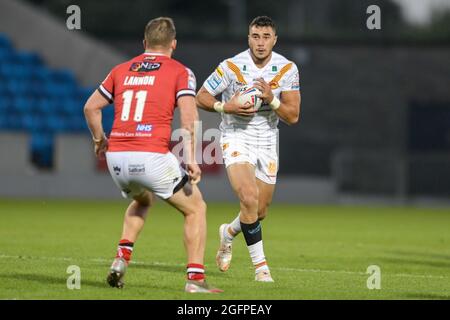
193, 286
224, 254
263, 276
117, 273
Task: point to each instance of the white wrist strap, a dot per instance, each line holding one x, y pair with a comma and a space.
218, 106
275, 104
99, 140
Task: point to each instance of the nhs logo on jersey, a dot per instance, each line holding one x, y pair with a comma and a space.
144, 128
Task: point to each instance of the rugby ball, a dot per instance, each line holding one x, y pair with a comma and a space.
248, 96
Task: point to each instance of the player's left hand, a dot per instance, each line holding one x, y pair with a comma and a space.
194, 173
264, 87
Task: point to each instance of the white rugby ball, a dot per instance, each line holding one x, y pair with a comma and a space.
248, 96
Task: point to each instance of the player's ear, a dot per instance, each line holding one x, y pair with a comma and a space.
174, 44
145, 46
275, 40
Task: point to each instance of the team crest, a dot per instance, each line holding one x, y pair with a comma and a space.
225, 146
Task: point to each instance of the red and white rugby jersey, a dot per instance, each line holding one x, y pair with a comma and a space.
145, 90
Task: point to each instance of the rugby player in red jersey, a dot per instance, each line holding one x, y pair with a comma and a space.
145, 91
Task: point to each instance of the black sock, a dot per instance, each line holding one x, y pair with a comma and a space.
252, 232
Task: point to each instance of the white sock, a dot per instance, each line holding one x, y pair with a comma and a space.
257, 254
235, 226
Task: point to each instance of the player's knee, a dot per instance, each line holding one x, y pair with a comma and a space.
248, 197
199, 207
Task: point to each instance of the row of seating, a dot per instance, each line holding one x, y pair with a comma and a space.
42, 105
41, 101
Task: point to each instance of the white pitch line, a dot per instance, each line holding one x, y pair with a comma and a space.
361, 273
157, 263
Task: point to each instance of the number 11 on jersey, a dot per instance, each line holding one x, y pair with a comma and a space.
140, 104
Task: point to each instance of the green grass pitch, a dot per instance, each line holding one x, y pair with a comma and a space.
315, 252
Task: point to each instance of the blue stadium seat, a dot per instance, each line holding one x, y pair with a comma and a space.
77, 124
42, 149
71, 107
63, 76
83, 93
55, 124
14, 71
45, 106
28, 59
17, 88
3, 124
13, 121
41, 73
4, 41
21, 105
33, 123
58, 90
6, 55
40, 100
5, 103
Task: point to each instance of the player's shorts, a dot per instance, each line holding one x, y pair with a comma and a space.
262, 152
135, 172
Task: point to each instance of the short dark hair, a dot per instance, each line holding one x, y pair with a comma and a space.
263, 21
159, 32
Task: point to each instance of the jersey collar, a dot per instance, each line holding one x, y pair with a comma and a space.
155, 54
253, 62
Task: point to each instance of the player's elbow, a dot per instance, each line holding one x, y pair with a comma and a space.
293, 119
199, 100
87, 109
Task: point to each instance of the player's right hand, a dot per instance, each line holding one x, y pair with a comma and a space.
194, 173
234, 107
101, 147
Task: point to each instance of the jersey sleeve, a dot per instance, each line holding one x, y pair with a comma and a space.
292, 80
186, 83
218, 81
106, 88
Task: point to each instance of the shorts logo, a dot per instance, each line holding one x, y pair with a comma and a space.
235, 153
145, 66
116, 169
225, 146
144, 127
136, 169
272, 168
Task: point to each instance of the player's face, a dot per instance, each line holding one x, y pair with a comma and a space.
261, 41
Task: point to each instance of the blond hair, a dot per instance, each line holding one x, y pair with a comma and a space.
159, 32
